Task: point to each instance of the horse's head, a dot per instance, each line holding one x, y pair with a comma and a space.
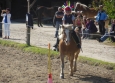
66, 30
80, 7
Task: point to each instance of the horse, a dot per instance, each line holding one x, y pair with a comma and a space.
45, 12
89, 12
68, 47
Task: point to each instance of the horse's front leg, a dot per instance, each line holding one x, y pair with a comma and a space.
62, 67
75, 65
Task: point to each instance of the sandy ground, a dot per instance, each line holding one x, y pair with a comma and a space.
41, 36
17, 66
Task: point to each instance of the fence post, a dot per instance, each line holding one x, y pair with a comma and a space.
1, 30
28, 28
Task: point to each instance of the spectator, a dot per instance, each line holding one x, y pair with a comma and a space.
100, 18
90, 28
78, 23
111, 34
58, 19
6, 20
84, 21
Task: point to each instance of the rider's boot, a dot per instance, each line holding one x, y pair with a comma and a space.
56, 44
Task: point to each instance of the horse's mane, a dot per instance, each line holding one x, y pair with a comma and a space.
67, 26
82, 5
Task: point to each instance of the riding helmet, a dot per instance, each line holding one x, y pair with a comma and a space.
67, 8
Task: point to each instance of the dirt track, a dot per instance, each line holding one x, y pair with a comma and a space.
19, 67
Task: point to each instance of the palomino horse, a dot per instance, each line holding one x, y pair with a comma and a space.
68, 47
45, 12
89, 12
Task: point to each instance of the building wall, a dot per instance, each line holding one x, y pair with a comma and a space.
18, 9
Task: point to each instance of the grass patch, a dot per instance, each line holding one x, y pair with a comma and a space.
26, 48
41, 51
44, 51
95, 62
12, 44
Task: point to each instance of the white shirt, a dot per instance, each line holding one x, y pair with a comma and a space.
8, 18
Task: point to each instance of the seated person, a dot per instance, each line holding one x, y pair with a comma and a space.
84, 21
78, 23
90, 28
68, 18
111, 34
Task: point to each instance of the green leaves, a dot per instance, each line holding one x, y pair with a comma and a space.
109, 7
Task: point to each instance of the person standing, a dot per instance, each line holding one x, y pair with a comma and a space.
100, 18
58, 19
6, 21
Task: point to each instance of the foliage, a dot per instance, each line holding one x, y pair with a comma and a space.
96, 3
109, 6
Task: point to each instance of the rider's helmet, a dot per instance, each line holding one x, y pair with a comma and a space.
67, 8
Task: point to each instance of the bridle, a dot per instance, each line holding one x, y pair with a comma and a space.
66, 35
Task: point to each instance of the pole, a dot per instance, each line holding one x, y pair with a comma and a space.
28, 28
49, 60
49, 67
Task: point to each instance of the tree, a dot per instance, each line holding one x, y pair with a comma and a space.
109, 6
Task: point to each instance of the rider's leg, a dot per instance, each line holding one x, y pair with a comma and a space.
57, 42
76, 39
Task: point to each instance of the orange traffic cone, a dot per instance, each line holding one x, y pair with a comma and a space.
50, 79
